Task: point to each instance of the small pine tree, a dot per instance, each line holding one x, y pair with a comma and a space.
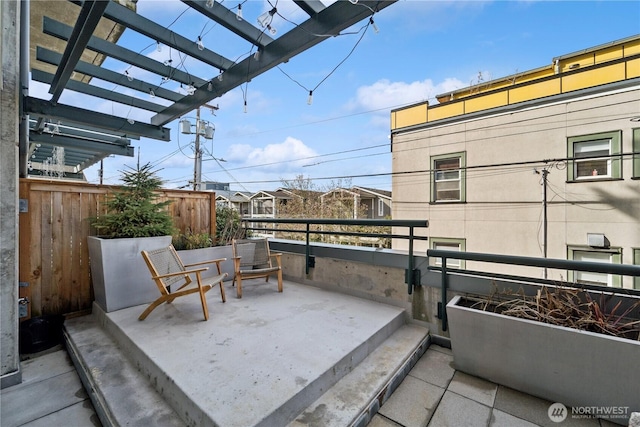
133, 211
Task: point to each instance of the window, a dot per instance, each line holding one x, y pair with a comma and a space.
446, 244
593, 157
380, 207
588, 255
448, 184
636, 156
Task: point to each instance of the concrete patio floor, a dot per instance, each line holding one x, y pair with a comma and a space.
270, 341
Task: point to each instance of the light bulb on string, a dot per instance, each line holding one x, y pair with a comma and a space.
152, 94
245, 106
220, 77
129, 76
209, 3
210, 86
239, 13
354, 1
272, 30
199, 43
266, 18
375, 27
191, 89
158, 47
256, 55
310, 98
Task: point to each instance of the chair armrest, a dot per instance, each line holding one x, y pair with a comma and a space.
205, 262
180, 273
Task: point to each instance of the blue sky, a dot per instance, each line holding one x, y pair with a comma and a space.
422, 49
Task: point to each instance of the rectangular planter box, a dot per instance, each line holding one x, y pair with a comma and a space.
569, 366
119, 274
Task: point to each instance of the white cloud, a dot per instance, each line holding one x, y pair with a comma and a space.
282, 156
385, 94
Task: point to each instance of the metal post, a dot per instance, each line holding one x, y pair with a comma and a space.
307, 251
545, 172
443, 297
410, 272
197, 169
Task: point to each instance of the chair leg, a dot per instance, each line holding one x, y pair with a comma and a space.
222, 294
239, 287
151, 307
203, 299
280, 280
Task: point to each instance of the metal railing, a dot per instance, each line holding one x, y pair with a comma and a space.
412, 276
569, 265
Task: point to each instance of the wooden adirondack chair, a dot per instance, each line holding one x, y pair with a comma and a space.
252, 259
168, 270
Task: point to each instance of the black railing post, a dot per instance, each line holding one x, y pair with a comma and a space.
307, 251
443, 290
410, 272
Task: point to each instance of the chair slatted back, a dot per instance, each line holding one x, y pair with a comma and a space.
165, 261
254, 253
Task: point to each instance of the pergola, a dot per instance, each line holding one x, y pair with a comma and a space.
70, 43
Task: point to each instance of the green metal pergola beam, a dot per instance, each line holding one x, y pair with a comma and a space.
110, 123
77, 86
82, 144
54, 58
90, 15
130, 19
57, 29
227, 19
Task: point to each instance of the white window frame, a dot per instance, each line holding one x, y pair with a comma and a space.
444, 176
380, 207
587, 147
579, 253
581, 146
448, 244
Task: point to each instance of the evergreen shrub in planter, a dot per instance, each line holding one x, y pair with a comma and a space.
134, 221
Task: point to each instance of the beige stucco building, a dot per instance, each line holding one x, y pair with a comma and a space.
486, 163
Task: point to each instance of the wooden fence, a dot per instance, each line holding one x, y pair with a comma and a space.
54, 271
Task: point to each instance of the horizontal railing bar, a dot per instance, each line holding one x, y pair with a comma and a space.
329, 221
562, 264
339, 233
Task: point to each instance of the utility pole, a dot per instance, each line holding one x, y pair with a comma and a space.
197, 168
545, 172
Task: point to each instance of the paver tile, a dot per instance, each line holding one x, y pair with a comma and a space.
455, 410
434, 367
412, 403
474, 388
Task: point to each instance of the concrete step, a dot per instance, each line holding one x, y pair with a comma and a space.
121, 395
356, 397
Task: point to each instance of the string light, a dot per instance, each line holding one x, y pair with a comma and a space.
210, 86
245, 105
375, 27
256, 55
354, 1
191, 89
199, 43
239, 13
209, 3
310, 98
152, 94
129, 76
220, 77
158, 46
272, 30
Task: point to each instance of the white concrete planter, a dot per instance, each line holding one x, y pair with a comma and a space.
576, 368
191, 256
119, 274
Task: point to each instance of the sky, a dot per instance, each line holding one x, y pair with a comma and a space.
422, 49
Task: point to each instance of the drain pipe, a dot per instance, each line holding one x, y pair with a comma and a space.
23, 138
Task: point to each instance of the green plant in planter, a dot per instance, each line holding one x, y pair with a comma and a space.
133, 211
191, 240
